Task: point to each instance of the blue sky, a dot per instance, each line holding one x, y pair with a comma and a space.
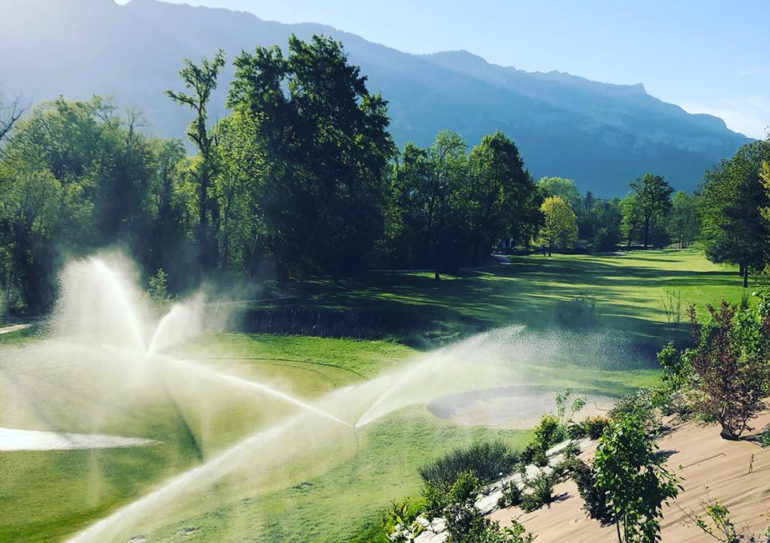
707, 56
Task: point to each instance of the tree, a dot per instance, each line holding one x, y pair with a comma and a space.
560, 225
500, 193
566, 189
324, 148
636, 485
202, 80
732, 361
631, 223
683, 222
731, 204
653, 196
9, 115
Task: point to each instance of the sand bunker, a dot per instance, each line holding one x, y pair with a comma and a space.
515, 407
34, 440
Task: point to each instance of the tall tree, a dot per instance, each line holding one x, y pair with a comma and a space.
684, 222
653, 196
325, 148
731, 204
499, 192
202, 81
560, 225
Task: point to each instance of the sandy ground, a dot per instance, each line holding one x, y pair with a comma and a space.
34, 440
712, 469
516, 408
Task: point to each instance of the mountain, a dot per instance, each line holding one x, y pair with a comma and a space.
602, 135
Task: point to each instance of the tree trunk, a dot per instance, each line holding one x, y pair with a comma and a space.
646, 231
436, 276
745, 276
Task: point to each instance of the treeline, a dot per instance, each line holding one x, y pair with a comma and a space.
303, 178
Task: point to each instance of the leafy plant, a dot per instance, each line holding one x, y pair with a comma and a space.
466, 524
511, 495
731, 363
630, 473
594, 426
594, 499
400, 521
566, 409
548, 433
159, 289
487, 461
540, 492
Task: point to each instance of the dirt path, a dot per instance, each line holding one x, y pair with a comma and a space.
712, 469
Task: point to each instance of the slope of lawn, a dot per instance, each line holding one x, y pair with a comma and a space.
46, 495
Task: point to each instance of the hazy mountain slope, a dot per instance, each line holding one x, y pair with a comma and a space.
602, 135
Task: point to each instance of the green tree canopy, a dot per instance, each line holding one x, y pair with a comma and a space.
733, 197
559, 229
566, 189
653, 197
324, 149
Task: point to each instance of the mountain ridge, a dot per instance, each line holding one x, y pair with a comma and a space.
601, 134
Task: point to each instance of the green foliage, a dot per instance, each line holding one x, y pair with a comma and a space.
400, 520
159, 289
548, 433
511, 495
764, 438
538, 491
594, 499
653, 199
449, 208
731, 205
684, 224
566, 189
559, 229
595, 426
323, 146
466, 524
487, 461
730, 361
567, 406
630, 473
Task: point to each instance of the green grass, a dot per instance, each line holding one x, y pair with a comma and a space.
412, 308
45, 496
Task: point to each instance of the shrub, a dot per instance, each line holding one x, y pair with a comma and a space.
576, 430
548, 433
567, 406
640, 405
466, 524
594, 500
628, 470
730, 360
540, 492
487, 461
594, 426
511, 495
399, 521
764, 439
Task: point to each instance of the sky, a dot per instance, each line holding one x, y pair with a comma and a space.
707, 56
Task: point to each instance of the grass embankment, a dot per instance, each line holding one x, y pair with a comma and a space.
46, 495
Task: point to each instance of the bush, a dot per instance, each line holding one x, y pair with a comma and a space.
487, 461
540, 492
594, 500
764, 439
466, 524
576, 430
594, 426
641, 406
511, 495
730, 360
548, 433
399, 521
